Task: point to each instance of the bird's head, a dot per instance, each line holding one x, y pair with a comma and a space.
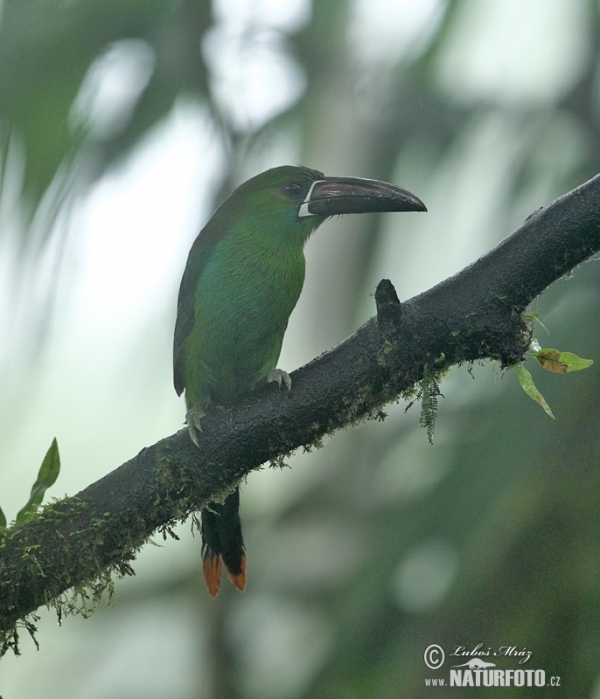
299, 199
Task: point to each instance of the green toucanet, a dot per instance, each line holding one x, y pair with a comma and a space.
242, 279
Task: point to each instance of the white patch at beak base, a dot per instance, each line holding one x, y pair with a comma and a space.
303, 208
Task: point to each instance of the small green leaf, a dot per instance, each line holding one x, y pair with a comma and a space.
536, 317
561, 362
574, 362
47, 476
2, 519
526, 381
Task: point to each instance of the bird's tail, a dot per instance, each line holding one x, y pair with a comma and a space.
222, 540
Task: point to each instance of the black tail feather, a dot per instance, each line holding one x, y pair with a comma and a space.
222, 539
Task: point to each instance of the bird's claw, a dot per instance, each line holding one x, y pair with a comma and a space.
280, 376
192, 420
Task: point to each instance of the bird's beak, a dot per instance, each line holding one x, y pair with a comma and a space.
354, 195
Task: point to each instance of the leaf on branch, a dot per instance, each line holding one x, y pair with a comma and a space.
47, 476
561, 362
535, 317
428, 393
527, 384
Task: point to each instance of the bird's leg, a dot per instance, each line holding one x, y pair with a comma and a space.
192, 419
280, 376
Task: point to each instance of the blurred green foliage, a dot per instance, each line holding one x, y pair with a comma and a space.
48, 47
491, 535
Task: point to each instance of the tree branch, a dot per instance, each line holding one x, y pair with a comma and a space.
474, 315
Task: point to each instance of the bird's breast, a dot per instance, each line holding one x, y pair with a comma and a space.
252, 284
242, 306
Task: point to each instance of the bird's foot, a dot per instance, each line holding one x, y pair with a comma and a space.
280, 376
192, 420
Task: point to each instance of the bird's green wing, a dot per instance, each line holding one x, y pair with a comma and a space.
186, 317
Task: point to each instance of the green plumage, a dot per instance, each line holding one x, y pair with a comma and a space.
242, 280
243, 276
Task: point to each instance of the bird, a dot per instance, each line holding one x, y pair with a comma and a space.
241, 281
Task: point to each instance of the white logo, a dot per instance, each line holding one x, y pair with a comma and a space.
434, 656
476, 664
477, 672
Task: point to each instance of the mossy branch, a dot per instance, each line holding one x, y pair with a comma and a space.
476, 314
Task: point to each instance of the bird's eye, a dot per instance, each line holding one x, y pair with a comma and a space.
292, 189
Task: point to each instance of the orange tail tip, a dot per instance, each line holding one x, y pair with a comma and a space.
212, 574
240, 579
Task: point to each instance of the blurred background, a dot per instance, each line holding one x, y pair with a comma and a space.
122, 125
